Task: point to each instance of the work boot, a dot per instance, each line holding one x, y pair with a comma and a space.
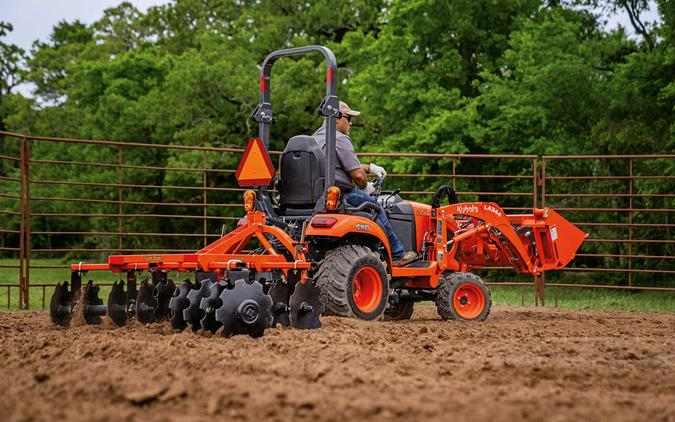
407, 258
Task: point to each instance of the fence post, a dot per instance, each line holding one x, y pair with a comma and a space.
22, 218
26, 284
535, 182
630, 222
205, 198
540, 281
543, 182
119, 198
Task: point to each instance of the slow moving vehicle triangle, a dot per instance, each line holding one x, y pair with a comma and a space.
255, 167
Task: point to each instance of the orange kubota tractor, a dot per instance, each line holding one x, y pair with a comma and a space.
315, 254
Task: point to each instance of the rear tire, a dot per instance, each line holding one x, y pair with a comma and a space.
463, 296
353, 282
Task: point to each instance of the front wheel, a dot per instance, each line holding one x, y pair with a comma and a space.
353, 282
463, 296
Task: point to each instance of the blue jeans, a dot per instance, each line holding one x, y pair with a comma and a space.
356, 197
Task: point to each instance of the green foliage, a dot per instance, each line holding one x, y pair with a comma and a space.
10, 62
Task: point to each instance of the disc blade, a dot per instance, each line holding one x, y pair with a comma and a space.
280, 293
60, 308
192, 314
92, 309
246, 309
238, 274
202, 275
117, 304
306, 307
209, 305
178, 303
75, 281
162, 293
146, 304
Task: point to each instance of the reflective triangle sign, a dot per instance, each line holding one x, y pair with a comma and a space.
255, 167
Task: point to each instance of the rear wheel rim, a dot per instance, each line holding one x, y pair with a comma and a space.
468, 300
367, 289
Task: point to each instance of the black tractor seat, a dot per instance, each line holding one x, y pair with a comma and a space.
302, 176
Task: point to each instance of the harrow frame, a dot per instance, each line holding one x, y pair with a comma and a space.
220, 256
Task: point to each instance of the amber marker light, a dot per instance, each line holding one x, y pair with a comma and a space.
249, 198
332, 198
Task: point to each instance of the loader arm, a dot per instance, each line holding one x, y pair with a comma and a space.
479, 234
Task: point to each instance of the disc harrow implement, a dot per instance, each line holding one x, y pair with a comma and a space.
230, 292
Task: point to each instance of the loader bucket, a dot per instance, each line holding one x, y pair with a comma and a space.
559, 241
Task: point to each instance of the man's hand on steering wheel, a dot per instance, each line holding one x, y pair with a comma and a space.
369, 189
375, 187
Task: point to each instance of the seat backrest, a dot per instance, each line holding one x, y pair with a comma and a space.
302, 173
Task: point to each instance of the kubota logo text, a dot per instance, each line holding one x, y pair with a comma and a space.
467, 209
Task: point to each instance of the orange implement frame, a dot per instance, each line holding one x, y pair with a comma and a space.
224, 254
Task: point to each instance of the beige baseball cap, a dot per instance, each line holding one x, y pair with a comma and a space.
344, 109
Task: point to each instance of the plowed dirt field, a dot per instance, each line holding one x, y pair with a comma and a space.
521, 364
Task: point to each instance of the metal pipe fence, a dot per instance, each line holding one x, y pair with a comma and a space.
114, 197
627, 204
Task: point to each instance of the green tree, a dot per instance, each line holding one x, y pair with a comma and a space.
11, 75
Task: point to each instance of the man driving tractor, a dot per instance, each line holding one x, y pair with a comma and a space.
349, 172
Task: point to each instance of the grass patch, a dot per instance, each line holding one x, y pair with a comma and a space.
570, 298
43, 276
575, 298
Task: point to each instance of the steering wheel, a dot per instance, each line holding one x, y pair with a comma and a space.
442, 191
377, 184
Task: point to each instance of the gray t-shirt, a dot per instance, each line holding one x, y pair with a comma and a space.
344, 151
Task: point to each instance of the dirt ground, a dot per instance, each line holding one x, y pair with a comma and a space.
521, 364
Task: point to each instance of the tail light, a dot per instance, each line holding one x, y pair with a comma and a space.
323, 222
332, 198
249, 198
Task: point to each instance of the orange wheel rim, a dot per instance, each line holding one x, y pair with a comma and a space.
367, 289
469, 301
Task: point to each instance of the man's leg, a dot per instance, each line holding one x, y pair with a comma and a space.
356, 197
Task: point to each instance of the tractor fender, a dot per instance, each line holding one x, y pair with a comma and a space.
348, 225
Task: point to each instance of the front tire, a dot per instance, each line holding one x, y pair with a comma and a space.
463, 296
353, 282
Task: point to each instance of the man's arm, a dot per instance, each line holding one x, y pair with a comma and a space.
358, 176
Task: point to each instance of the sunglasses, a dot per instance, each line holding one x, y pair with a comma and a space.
347, 116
